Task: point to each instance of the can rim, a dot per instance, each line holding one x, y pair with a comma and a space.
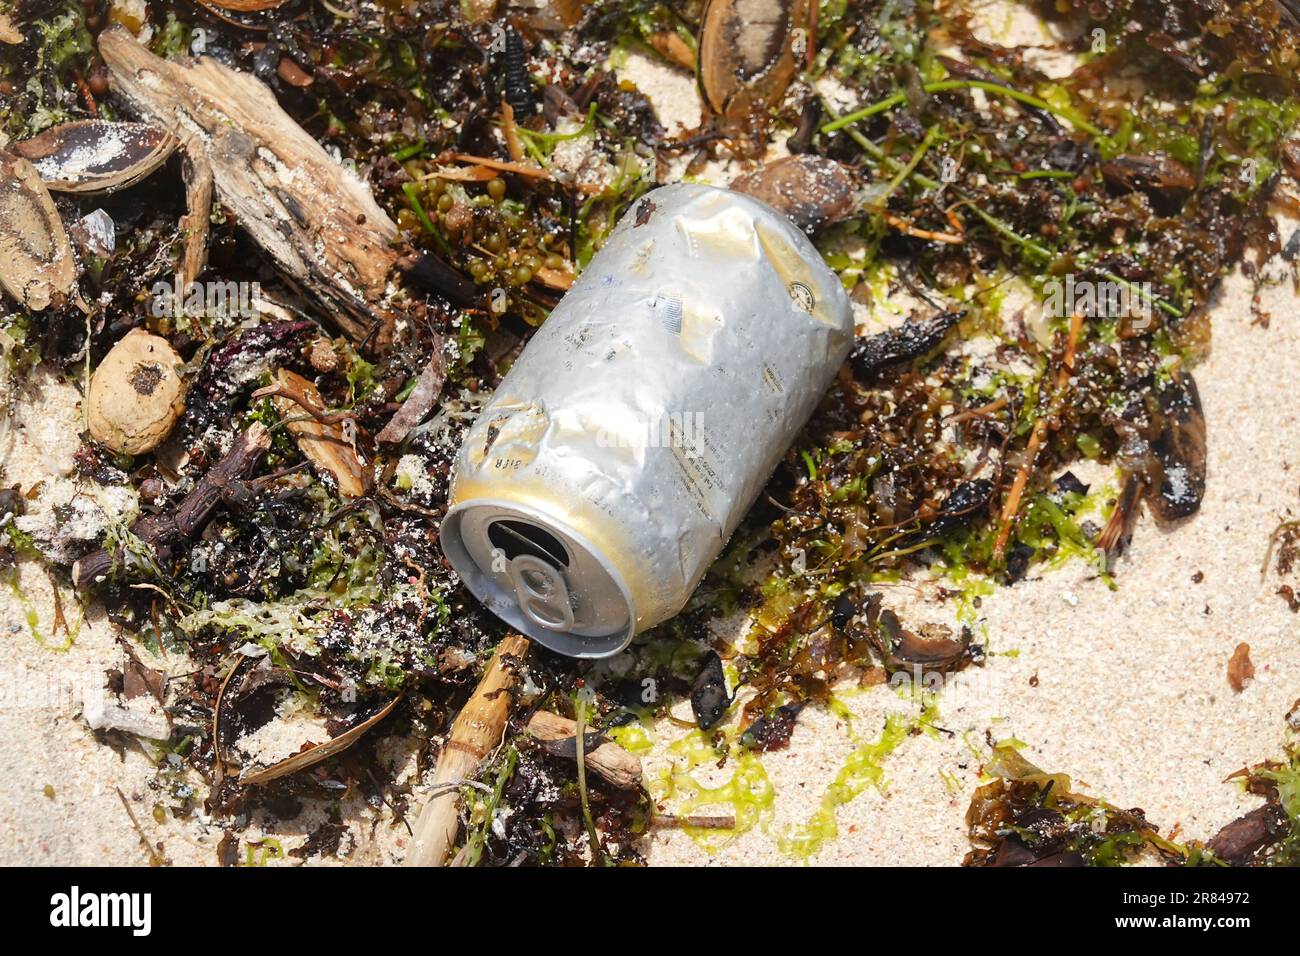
502, 603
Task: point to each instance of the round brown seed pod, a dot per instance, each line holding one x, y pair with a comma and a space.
135, 395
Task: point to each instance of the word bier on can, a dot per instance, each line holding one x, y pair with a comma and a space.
642, 420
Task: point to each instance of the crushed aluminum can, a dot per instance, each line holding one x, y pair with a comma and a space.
641, 421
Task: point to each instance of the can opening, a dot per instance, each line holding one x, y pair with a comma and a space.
516, 538
540, 576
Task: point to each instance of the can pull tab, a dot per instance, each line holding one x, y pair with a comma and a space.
541, 592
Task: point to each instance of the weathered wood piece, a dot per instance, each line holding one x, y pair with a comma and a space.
319, 438
609, 760
314, 218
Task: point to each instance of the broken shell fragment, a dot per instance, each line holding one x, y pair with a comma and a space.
97, 156
95, 235
673, 49
1157, 174
747, 52
314, 753
1179, 451
811, 191
36, 264
135, 396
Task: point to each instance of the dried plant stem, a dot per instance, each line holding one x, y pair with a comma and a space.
511, 132
1012, 504
521, 169
942, 86
474, 734
580, 738
902, 225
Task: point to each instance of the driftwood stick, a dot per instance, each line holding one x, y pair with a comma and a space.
196, 223
318, 221
474, 734
160, 532
609, 760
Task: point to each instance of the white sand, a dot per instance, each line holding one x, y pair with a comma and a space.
1131, 696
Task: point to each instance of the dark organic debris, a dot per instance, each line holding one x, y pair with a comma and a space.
909, 341
158, 534
1027, 817
1242, 839
1179, 450
772, 731
709, 697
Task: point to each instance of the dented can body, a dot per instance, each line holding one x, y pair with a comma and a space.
641, 421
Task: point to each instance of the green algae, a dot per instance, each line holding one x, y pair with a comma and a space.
748, 793
863, 768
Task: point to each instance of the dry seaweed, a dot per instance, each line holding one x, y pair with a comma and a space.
1026, 817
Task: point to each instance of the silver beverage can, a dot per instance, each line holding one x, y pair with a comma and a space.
641, 421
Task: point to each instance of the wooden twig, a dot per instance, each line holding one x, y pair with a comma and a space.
160, 532
693, 822
463, 174
296, 397
902, 225
982, 411
812, 36
609, 760
196, 223
475, 733
155, 859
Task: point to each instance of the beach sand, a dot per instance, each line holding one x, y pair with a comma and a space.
1125, 689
